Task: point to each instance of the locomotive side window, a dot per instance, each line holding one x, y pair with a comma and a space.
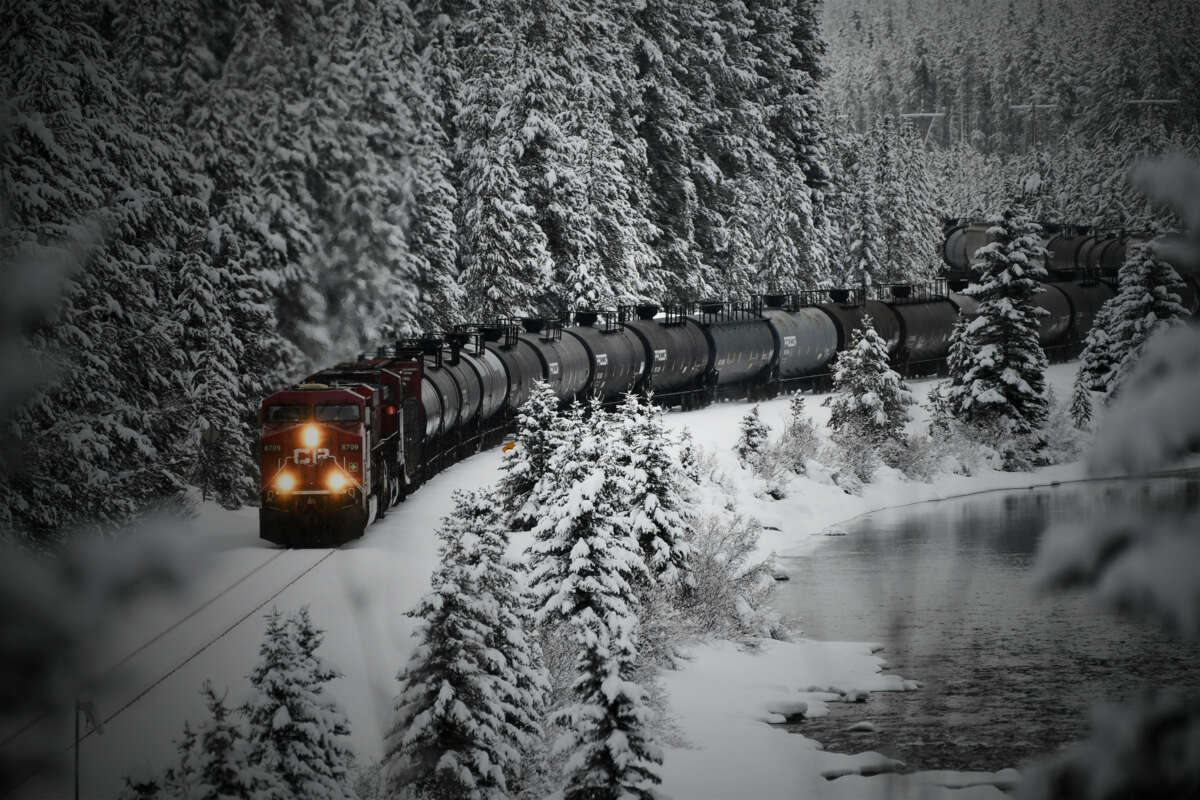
285, 413
341, 412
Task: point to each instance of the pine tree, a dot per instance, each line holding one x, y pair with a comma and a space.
753, 436
585, 566
1148, 302
863, 232
870, 402
507, 268
526, 462
1081, 403
103, 440
656, 502
1098, 359
225, 771
183, 779
296, 731
474, 689
998, 371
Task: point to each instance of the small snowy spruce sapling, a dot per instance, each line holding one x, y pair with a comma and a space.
1148, 302
998, 382
296, 732
800, 441
870, 402
753, 437
538, 428
474, 689
586, 562
656, 501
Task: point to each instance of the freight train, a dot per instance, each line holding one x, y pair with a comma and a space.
352, 440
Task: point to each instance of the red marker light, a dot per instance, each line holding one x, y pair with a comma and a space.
390, 410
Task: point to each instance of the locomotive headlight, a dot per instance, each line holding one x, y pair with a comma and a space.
310, 436
336, 480
285, 482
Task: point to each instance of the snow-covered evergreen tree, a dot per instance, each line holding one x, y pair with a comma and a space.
753, 436
869, 405
297, 732
1148, 302
998, 374
474, 689
1098, 359
225, 771
656, 502
525, 463
507, 268
864, 233
585, 564
1081, 402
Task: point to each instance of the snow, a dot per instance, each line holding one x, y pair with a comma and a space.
719, 700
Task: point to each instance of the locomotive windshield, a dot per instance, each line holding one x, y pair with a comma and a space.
285, 413
341, 412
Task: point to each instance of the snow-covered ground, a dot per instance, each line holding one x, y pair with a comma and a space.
719, 701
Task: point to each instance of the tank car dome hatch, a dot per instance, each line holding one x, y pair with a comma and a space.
646, 310
901, 291
586, 319
839, 295
533, 324
956, 285
775, 300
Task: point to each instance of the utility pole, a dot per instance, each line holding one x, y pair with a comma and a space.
1032, 108
932, 116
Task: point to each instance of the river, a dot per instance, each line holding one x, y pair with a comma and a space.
1006, 675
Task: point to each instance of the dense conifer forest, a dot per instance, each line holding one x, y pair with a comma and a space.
247, 189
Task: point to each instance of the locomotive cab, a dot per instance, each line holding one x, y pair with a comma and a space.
318, 463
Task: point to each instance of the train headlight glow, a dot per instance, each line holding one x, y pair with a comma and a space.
310, 436
285, 482
336, 480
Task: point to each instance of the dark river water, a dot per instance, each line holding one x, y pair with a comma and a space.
1006, 675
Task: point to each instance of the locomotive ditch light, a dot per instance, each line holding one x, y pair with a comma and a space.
336, 480
285, 482
310, 436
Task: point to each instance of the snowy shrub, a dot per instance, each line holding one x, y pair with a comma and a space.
730, 589
919, 459
1081, 403
773, 466
1059, 440
853, 461
800, 441
753, 437
367, 779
